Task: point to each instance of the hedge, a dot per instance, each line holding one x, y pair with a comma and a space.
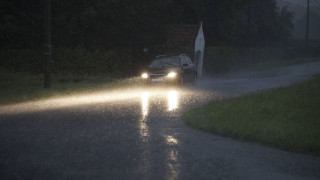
65, 60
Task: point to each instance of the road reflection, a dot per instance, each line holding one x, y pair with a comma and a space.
144, 130
173, 164
170, 140
172, 104
172, 100
172, 97
116, 97
144, 104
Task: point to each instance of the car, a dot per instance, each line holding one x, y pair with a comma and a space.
178, 70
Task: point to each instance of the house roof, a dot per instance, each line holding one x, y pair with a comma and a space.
182, 35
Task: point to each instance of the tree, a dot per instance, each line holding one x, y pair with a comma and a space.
234, 23
21, 23
105, 24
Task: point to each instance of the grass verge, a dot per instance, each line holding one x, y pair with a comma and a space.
287, 118
20, 87
279, 63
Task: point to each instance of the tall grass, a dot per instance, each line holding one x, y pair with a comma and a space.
19, 87
65, 60
224, 59
287, 118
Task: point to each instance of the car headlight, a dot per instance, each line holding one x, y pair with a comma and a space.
172, 75
144, 75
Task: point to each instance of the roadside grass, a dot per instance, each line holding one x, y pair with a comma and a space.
279, 63
20, 87
287, 118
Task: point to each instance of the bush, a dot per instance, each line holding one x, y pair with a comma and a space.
223, 59
66, 60
220, 59
21, 60
82, 61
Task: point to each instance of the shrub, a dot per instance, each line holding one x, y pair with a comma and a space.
66, 60
82, 61
21, 60
220, 59
223, 59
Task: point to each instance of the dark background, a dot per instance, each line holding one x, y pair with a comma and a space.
108, 36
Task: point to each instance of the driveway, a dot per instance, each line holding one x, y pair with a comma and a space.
138, 134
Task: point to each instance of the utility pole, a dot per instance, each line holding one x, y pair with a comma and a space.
249, 25
307, 26
47, 45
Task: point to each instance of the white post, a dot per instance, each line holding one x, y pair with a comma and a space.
200, 64
199, 47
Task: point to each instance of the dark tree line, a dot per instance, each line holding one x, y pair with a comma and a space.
247, 22
106, 24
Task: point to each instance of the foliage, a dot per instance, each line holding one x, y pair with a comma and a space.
314, 26
82, 61
67, 60
21, 86
220, 59
23, 60
90, 29
223, 59
104, 24
21, 24
246, 22
278, 63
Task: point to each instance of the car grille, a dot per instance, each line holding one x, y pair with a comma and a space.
156, 76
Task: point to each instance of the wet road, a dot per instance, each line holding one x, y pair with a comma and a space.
138, 134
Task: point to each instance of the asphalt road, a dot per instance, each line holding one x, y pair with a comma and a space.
138, 134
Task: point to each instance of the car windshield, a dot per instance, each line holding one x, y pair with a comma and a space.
166, 62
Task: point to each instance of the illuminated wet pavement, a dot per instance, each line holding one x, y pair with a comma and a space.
138, 134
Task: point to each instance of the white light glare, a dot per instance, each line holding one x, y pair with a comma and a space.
172, 75
144, 75
172, 100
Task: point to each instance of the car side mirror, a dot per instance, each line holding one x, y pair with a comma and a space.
184, 65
